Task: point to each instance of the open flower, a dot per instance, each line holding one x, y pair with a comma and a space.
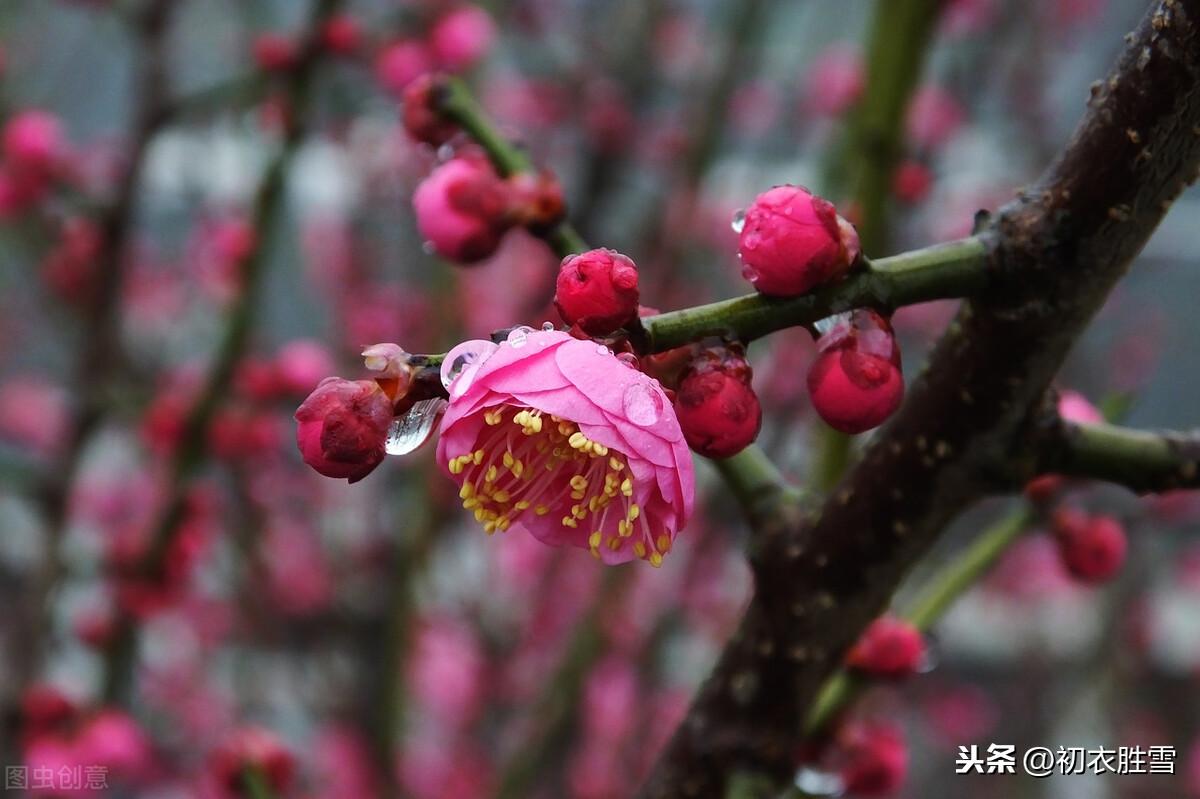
559, 437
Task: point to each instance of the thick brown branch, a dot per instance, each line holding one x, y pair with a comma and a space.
1056, 252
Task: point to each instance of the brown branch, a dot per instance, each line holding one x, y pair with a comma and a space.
1056, 253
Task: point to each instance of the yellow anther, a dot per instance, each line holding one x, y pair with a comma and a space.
508, 460
502, 523
633, 512
614, 543
467, 491
471, 504
594, 539
517, 468
664, 543
639, 549
599, 450
624, 528
615, 464
579, 483
493, 417
501, 496
578, 440
579, 512
522, 505
477, 456
655, 559
490, 477
479, 514
627, 487
568, 521
541, 510
593, 503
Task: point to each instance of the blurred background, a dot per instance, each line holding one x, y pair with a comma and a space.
201, 217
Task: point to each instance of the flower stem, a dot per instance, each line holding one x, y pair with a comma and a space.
942, 591
955, 269
458, 104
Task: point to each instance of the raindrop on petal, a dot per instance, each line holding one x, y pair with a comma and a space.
642, 404
518, 336
463, 361
547, 327
823, 326
414, 428
603, 349
739, 220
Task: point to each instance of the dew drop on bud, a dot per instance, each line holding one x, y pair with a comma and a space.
823, 326
518, 336
547, 327
931, 656
428, 248
445, 152
630, 360
414, 428
461, 363
816, 782
642, 404
739, 220
603, 350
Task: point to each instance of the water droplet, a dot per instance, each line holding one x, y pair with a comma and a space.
547, 327
445, 152
642, 404
630, 360
414, 428
827, 324
815, 782
749, 272
462, 362
518, 336
739, 220
750, 241
603, 349
428, 248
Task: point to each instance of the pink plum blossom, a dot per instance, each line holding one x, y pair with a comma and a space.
557, 436
462, 37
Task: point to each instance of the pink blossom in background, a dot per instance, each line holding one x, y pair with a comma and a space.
341, 762
430, 769
446, 671
298, 580
522, 263
400, 63
33, 143
33, 414
461, 37
835, 80
934, 117
1031, 569
968, 17
624, 451
301, 364
610, 700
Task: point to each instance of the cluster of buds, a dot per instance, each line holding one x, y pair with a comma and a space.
464, 207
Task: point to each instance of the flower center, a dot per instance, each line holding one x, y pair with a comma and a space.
527, 462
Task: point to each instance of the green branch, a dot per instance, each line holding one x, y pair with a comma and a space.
1141, 460
956, 269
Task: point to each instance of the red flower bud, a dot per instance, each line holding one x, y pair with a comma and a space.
536, 201
873, 758
1092, 547
274, 52
462, 209
912, 182
855, 382
890, 648
792, 241
598, 291
717, 408
343, 426
253, 748
421, 117
341, 34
